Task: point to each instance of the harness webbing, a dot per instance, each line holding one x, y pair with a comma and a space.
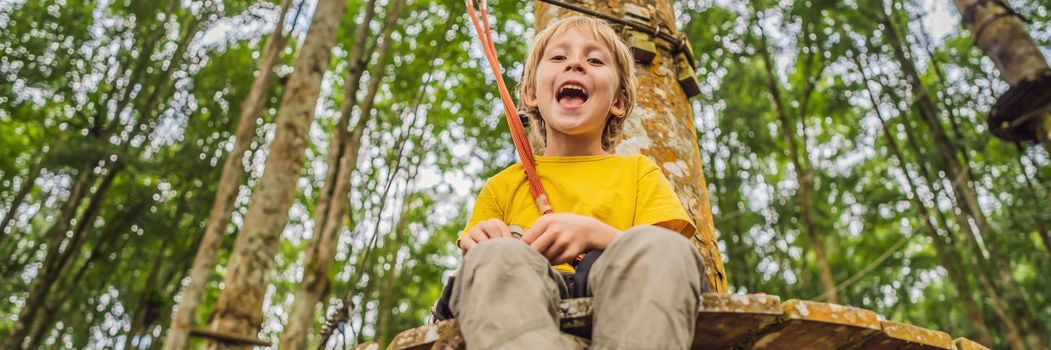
518, 133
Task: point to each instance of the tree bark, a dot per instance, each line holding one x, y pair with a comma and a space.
1003, 38
662, 127
239, 308
230, 182
343, 160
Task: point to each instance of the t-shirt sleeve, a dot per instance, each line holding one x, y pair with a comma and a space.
657, 203
485, 207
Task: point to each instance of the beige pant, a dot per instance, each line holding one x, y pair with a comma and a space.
646, 288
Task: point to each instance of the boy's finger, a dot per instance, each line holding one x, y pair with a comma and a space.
505, 232
536, 231
558, 248
479, 235
496, 229
565, 257
541, 242
467, 243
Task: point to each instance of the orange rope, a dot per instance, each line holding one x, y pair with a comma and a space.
518, 134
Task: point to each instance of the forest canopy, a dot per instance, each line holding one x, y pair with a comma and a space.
845, 147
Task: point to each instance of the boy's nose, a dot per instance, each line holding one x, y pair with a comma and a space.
574, 64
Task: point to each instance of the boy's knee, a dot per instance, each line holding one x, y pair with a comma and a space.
658, 239
660, 245
665, 251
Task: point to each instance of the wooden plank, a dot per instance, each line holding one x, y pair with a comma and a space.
235, 339
814, 325
727, 319
755, 321
907, 337
575, 317
441, 335
367, 346
967, 344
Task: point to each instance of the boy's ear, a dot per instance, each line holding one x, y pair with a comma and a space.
529, 96
620, 106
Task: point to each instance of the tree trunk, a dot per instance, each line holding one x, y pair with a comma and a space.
662, 127
239, 308
1003, 38
226, 193
343, 160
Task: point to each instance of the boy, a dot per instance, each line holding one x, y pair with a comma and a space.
578, 87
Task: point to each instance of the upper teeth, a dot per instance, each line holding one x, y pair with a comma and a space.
574, 86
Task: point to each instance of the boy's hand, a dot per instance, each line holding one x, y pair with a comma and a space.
561, 237
485, 230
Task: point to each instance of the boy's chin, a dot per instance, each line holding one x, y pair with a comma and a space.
578, 115
569, 125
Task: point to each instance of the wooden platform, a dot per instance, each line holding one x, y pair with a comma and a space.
743, 321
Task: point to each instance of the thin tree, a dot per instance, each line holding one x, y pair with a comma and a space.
239, 308
226, 192
343, 160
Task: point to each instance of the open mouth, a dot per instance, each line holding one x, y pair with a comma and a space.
571, 95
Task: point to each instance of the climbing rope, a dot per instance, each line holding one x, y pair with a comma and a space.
518, 134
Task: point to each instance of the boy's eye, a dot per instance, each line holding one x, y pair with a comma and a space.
595, 61
558, 57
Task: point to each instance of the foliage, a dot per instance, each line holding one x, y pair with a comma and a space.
149, 93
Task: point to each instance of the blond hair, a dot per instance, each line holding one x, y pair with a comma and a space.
624, 61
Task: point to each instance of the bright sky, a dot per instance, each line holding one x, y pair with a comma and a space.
941, 19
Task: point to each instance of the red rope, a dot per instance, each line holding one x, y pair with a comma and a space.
518, 134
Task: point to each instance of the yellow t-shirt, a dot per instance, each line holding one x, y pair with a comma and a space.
622, 191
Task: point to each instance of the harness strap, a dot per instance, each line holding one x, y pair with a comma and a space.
518, 134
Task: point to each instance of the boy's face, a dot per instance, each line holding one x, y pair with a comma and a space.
577, 85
